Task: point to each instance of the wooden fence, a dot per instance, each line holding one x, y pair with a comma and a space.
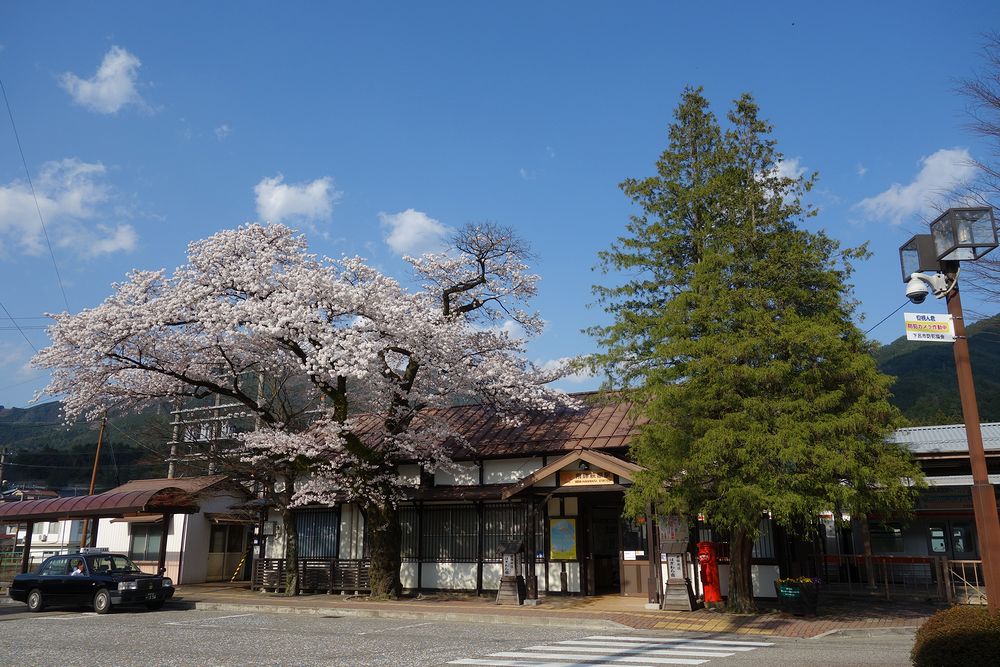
316, 575
926, 577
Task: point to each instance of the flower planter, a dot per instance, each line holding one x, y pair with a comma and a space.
797, 597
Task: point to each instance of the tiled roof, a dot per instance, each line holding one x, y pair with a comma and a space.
192, 485
945, 439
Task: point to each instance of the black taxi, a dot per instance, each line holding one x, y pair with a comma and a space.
92, 577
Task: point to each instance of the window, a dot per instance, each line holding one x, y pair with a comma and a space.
318, 534
144, 542
450, 534
57, 567
634, 538
887, 538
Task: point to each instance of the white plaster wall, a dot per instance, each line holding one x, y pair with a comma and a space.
547, 481
504, 471
352, 532
409, 473
116, 537
491, 575
408, 575
572, 577
465, 474
448, 575
763, 580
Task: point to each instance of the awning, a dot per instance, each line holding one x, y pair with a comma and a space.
165, 500
605, 462
142, 518
230, 518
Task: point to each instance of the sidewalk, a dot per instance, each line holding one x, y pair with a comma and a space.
592, 613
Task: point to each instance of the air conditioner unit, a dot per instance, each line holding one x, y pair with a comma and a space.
43, 537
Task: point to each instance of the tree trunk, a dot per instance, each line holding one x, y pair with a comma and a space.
740, 580
291, 531
385, 535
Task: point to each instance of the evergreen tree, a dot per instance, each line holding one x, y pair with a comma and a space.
734, 339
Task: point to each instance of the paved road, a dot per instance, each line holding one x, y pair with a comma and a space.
189, 637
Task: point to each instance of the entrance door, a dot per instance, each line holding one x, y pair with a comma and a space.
604, 548
955, 539
226, 549
635, 557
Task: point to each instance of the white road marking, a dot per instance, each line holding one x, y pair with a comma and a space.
617, 651
672, 640
401, 627
208, 621
680, 651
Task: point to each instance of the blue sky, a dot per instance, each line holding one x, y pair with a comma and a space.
374, 126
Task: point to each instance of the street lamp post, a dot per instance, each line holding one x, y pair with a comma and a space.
961, 234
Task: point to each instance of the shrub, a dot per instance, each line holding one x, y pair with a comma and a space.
966, 636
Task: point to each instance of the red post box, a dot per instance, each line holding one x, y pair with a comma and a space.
709, 572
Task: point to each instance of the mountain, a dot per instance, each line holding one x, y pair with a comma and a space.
926, 388
45, 451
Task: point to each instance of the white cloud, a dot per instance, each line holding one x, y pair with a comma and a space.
112, 87
790, 168
939, 174
306, 202
223, 131
862, 170
413, 232
579, 377
550, 151
70, 193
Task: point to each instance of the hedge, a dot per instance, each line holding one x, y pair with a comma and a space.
966, 635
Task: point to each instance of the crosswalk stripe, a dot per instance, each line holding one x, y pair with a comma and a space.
680, 651
531, 663
606, 658
617, 651
671, 640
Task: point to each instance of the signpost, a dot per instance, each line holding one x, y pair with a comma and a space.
930, 327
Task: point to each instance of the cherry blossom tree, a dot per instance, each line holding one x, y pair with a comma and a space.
374, 360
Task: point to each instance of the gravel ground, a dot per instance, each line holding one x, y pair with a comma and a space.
189, 637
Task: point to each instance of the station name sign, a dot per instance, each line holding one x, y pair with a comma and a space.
585, 478
929, 327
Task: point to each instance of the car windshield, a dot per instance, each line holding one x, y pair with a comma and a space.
109, 563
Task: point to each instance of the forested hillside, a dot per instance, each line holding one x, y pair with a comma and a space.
926, 388
44, 451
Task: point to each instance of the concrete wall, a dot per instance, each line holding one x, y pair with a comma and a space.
448, 576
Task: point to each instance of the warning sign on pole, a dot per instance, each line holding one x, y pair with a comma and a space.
929, 327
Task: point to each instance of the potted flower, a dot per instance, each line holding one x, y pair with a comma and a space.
797, 595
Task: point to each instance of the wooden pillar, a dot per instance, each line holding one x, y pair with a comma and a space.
653, 581
479, 546
531, 580
420, 546
94, 523
161, 565
29, 526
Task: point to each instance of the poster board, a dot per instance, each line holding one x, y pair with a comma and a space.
562, 538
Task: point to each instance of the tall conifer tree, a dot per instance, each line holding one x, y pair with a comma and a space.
734, 338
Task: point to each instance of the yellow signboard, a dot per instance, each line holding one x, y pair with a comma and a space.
585, 478
562, 539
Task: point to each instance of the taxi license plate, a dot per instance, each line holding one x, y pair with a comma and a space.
150, 596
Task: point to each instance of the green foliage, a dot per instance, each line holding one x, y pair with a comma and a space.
926, 384
48, 453
961, 636
734, 336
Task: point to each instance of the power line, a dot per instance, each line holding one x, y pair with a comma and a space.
34, 196
886, 317
18, 327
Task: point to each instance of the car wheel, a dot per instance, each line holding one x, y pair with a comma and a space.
153, 605
102, 601
35, 601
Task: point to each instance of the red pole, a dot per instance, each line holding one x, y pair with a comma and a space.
984, 500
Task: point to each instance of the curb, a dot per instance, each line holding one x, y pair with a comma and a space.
493, 619
900, 630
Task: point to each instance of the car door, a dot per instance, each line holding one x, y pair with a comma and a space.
52, 579
78, 588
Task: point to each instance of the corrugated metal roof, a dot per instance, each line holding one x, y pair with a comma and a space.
165, 499
945, 438
956, 480
487, 434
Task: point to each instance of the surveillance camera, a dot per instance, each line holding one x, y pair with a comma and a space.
916, 290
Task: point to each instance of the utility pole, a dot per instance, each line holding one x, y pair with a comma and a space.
93, 478
3, 459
